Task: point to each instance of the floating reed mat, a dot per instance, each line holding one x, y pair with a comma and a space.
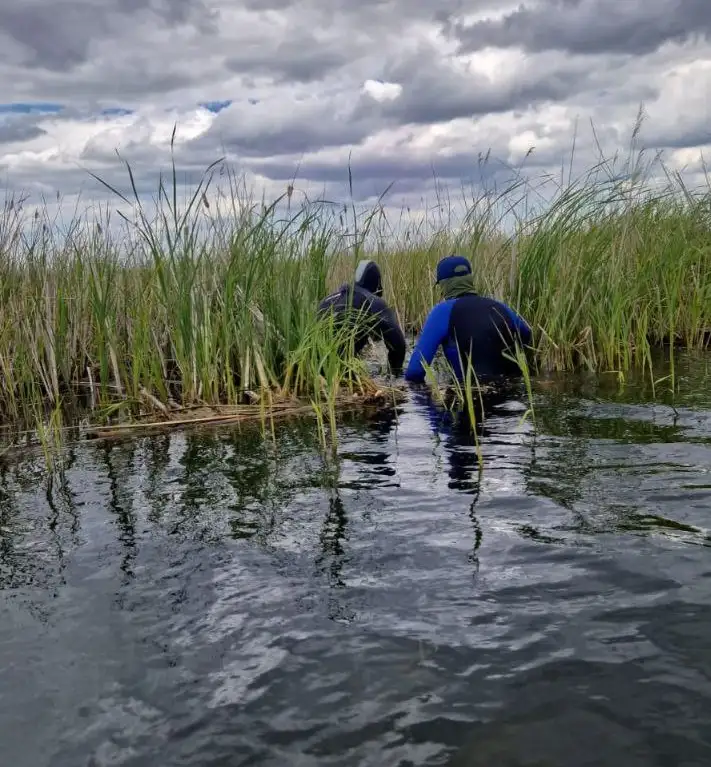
208, 415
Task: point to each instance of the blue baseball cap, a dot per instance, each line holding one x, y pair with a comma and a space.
453, 266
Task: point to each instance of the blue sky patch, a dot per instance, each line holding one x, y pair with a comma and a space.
116, 112
215, 106
30, 107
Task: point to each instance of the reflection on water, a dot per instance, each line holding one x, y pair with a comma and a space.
213, 598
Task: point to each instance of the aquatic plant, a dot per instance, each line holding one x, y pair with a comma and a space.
602, 275
213, 301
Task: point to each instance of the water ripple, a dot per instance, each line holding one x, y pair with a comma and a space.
214, 599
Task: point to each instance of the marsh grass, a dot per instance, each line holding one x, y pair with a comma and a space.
600, 285
214, 302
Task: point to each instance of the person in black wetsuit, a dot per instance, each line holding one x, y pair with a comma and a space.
366, 295
465, 323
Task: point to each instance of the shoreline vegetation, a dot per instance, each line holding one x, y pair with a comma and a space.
212, 304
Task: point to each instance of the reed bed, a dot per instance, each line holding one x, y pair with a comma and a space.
213, 303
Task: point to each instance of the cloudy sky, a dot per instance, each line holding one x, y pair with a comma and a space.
284, 89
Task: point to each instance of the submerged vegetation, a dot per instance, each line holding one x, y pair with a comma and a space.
213, 301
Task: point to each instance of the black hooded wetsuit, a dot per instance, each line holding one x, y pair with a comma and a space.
365, 295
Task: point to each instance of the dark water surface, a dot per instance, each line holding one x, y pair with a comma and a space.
211, 599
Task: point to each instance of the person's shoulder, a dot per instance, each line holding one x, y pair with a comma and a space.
333, 298
375, 303
499, 303
440, 313
443, 307
500, 307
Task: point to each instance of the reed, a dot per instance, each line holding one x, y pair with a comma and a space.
600, 276
214, 302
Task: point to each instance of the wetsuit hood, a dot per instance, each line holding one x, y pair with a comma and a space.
454, 276
368, 276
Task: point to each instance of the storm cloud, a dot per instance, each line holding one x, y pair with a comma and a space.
590, 26
403, 91
59, 36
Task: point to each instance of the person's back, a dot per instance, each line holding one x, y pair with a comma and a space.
472, 329
363, 299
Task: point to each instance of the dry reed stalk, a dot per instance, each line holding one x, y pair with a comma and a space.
227, 414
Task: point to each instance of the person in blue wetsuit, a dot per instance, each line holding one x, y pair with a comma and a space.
366, 295
479, 328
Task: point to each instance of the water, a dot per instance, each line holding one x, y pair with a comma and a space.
206, 599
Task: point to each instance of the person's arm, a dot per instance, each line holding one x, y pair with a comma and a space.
434, 332
518, 323
388, 328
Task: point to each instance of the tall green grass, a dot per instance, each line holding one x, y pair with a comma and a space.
602, 275
215, 301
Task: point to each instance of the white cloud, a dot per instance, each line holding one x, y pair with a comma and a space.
381, 91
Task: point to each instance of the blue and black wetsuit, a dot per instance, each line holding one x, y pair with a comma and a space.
478, 328
365, 295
